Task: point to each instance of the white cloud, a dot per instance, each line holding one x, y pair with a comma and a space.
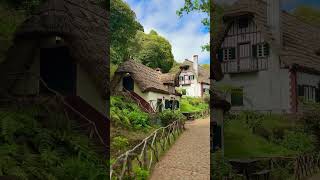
184, 33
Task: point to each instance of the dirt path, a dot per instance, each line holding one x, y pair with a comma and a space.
189, 157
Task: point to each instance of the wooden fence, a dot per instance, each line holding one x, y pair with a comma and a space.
306, 165
147, 153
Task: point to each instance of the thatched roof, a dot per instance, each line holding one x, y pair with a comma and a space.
147, 78
300, 39
203, 76
81, 23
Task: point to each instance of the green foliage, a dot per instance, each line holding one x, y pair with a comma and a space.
10, 19
153, 51
220, 167
241, 142
124, 26
168, 116
140, 173
120, 143
308, 14
198, 6
128, 114
191, 104
298, 141
30, 149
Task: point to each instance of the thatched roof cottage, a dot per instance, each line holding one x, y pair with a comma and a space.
154, 89
63, 47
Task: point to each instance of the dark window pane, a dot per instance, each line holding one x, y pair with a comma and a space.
237, 97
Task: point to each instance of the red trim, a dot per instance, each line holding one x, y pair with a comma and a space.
293, 91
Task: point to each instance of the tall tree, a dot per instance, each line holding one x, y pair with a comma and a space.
153, 50
123, 28
308, 14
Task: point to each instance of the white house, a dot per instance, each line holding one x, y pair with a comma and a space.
269, 56
151, 89
194, 79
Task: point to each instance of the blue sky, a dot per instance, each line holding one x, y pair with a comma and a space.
186, 34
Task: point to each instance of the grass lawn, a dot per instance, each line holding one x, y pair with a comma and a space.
186, 106
240, 142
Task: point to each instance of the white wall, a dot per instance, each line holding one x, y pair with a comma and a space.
194, 88
88, 91
149, 96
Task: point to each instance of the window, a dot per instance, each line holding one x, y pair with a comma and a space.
308, 93
243, 22
237, 97
181, 78
167, 104
261, 50
229, 54
191, 77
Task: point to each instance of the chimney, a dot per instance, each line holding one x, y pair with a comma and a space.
195, 64
273, 12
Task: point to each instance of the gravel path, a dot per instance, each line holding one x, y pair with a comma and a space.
189, 157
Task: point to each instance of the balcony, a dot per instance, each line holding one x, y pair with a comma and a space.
244, 65
185, 82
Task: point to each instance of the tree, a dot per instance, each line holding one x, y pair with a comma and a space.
153, 51
123, 28
308, 14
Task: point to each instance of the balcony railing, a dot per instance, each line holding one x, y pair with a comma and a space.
185, 82
244, 65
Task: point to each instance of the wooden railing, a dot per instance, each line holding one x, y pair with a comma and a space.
244, 65
146, 107
307, 165
147, 153
299, 167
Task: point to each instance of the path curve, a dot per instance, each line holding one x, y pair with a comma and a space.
189, 157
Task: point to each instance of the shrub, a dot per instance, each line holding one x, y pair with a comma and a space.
298, 141
220, 168
128, 114
120, 143
140, 173
167, 117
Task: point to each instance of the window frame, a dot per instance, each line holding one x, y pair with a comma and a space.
232, 96
227, 54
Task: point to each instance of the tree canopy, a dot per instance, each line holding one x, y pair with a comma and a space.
153, 51
123, 28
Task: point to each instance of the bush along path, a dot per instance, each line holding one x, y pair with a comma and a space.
189, 157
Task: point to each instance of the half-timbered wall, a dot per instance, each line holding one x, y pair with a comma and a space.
266, 86
243, 40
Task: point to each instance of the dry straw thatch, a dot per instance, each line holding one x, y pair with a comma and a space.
147, 78
81, 23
